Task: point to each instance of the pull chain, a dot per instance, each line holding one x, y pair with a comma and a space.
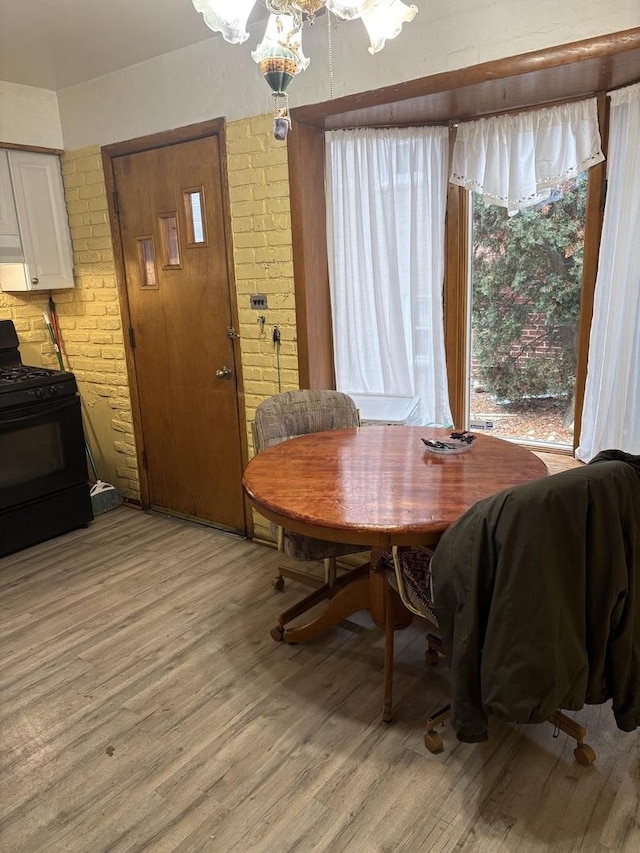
330, 46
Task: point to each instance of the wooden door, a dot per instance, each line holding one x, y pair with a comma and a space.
172, 231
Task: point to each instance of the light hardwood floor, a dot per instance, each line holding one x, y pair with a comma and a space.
145, 707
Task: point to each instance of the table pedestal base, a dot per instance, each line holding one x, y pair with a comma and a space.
360, 589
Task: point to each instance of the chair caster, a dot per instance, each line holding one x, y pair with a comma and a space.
432, 657
433, 742
584, 754
277, 633
278, 583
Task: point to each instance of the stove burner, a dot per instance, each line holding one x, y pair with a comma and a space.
24, 372
25, 384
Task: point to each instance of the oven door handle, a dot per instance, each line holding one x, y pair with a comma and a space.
35, 411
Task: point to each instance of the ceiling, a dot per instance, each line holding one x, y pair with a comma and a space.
52, 44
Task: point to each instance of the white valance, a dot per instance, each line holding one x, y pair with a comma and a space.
512, 159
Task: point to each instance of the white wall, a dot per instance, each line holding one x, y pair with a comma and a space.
29, 116
213, 79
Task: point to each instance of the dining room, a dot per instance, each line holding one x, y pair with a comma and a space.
146, 703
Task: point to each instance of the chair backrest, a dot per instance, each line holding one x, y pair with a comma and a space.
294, 413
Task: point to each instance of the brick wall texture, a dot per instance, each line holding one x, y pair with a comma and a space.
261, 227
90, 320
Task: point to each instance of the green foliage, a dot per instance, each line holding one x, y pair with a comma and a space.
527, 271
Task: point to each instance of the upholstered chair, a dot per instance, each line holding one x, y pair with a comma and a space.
408, 571
281, 418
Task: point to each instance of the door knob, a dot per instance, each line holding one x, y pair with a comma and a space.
224, 372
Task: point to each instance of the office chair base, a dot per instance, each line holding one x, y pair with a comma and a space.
433, 742
434, 650
583, 753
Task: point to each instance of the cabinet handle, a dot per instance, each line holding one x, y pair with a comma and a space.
35, 281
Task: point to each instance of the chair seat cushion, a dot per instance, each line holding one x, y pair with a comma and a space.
301, 547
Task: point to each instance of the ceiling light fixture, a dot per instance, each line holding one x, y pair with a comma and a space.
279, 55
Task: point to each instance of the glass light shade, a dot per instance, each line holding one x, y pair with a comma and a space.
309, 7
228, 17
282, 32
348, 10
384, 21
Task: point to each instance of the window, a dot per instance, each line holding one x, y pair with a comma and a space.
170, 241
526, 279
194, 216
146, 259
550, 76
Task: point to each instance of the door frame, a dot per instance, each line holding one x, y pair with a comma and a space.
189, 133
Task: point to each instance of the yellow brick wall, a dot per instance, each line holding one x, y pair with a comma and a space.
261, 227
91, 323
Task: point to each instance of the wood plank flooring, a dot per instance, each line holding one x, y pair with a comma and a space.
145, 707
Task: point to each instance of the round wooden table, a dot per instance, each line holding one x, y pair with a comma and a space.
377, 486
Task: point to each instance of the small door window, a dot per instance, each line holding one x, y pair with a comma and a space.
194, 216
147, 261
170, 240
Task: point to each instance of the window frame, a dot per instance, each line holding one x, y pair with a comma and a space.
456, 296
578, 70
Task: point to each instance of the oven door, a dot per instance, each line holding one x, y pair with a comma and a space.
42, 451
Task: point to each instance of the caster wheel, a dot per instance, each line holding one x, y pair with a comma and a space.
433, 742
278, 583
584, 754
277, 633
432, 657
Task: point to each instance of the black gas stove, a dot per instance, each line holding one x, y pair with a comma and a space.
44, 489
22, 384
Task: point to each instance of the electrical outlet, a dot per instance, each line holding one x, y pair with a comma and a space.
259, 300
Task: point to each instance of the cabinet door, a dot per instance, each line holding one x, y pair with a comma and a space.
42, 215
10, 243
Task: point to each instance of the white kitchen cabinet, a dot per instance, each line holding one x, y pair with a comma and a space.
35, 243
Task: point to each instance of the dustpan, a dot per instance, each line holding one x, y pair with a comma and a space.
104, 496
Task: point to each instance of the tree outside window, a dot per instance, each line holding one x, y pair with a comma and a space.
526, 284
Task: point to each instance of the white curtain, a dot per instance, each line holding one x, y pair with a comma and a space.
386, 200
511, 159
611, 414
